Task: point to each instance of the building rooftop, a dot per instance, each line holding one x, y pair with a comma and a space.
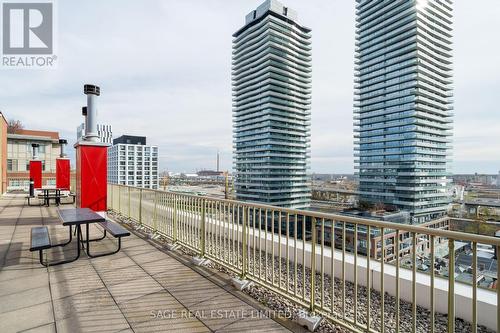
272, 7
130, 140
35, 133
140, 289
2, 117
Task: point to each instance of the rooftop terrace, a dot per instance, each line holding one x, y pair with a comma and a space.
140, 289
300, 262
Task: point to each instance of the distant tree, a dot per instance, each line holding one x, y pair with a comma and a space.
379, 206
484, 214
14, 126
365, 205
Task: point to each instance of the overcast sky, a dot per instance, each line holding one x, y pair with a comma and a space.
164, 71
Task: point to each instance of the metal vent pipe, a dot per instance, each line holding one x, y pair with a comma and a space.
63, 143
86, 125
35, 150
92, 92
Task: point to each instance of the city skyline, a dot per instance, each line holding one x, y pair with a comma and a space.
144, 81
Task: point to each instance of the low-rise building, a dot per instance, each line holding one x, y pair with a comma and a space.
19, 154
132, 162
210, 174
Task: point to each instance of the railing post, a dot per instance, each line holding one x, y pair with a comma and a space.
244, 252
140, 206
202, 228
451, 286
129, 202
498, 292
110, 192
155, 228
109, 201
313, 262
119, 199
174, 231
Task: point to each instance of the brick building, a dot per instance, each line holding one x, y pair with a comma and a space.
3, 154
19, 153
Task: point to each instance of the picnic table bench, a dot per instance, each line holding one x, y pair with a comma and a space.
40, 239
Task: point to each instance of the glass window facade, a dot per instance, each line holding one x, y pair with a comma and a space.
271, 77
127, 165
403, 106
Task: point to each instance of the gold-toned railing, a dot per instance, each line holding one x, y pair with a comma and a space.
290, 252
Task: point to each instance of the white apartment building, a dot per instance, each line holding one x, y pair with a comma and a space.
104, 132
131, 162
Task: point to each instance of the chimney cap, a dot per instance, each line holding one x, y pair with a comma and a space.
63, 141
35, 145
91, 89
84, 110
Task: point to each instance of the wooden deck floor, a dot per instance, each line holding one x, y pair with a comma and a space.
140, 289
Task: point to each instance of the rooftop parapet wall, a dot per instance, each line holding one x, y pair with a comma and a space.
270, 5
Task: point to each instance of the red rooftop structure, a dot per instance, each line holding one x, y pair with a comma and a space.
91, 159
36, 168
63, 168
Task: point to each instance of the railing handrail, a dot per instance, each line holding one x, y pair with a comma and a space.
287, 252
455, 235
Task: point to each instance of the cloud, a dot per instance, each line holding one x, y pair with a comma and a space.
165, 72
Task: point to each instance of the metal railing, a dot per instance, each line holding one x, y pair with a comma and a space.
23, 183
290, 252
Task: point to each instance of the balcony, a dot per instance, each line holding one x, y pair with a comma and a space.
320, 263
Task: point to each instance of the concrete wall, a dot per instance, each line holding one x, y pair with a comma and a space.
487, 299
19, 149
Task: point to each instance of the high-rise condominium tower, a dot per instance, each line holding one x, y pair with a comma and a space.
271, 76
403, 117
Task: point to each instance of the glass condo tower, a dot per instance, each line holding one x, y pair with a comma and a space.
271, 79
403, 105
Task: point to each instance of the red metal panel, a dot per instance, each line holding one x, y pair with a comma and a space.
91, 177
36, 172
63, 173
